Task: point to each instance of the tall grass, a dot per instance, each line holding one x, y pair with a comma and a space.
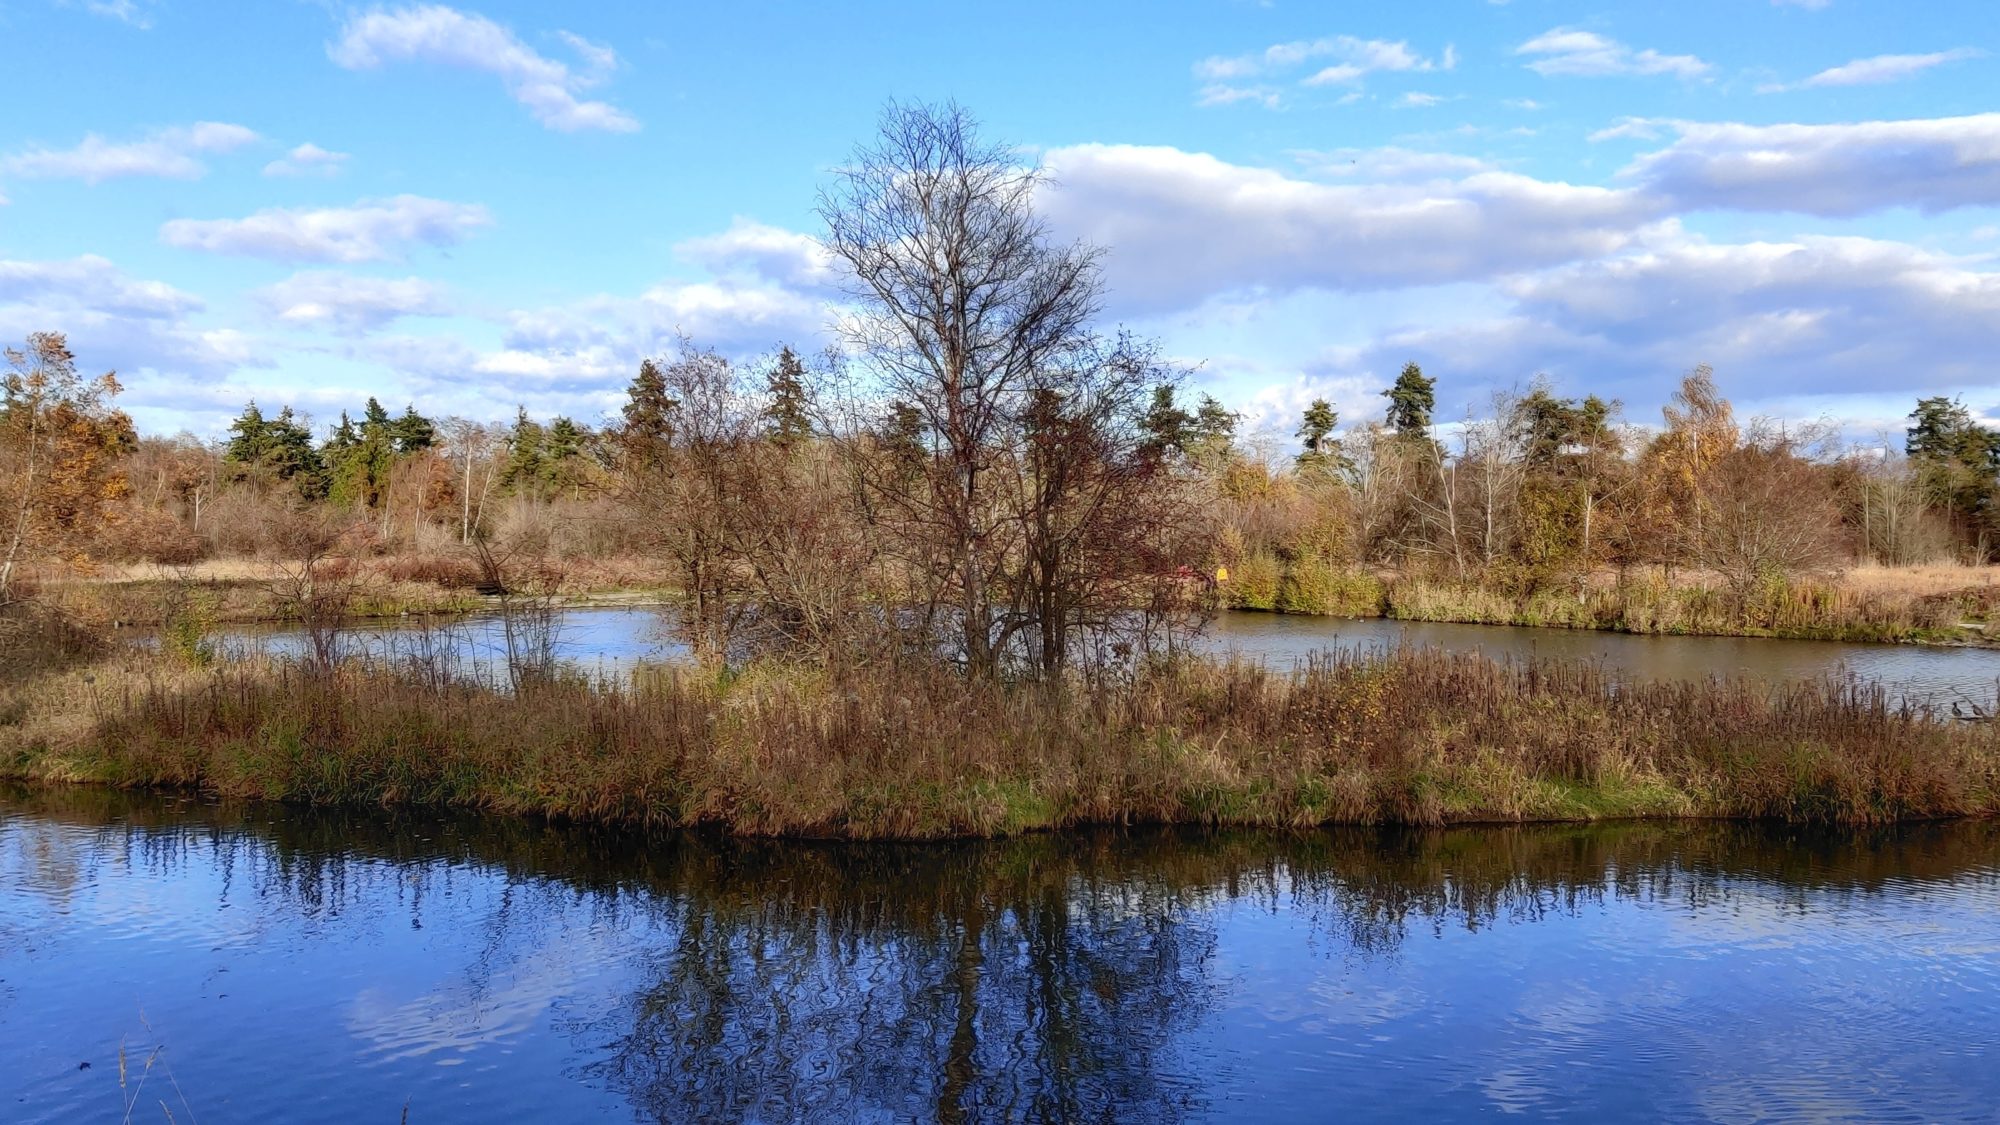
1416, 736
1801, 609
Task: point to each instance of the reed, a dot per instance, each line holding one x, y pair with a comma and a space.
1416, 736
1800, 609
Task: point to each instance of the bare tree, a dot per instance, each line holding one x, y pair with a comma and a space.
698, 486
312, 581
1441, 503
1494, 456
1768, 513
964, 301
473, 446
1892, 504
1006, 417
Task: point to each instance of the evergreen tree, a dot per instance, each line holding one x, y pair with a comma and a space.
528, 461
903, 437
1212, 438
787, 421
280, 448
249, 437
1943, 430
360, 457
1551, 431
649, 417
1411, 401
566, 448
1168, 428
1957, 458
412, 432
1322, 450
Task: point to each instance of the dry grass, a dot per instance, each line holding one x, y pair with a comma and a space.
1937, 578
1417, 736
1905, 604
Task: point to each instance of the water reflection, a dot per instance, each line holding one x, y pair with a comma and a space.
610, 640
505, 970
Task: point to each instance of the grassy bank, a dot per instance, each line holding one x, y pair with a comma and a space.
1417, 737
1877, 607
1935, 605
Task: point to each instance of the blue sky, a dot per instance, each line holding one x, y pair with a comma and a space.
475, 207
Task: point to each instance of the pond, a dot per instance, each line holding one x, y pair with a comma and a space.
282, 964
608, 640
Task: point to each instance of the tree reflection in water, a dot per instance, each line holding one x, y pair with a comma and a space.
957, 983
1050, 977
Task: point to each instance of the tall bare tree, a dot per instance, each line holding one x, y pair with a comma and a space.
975, 328
473, 446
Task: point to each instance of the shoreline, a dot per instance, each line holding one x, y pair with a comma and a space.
40, 785
141, 604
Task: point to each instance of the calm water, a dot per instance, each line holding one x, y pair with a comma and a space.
338, 967
609, 639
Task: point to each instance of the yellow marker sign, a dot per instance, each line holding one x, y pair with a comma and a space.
1222, 574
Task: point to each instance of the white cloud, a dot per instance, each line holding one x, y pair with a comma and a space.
133, 12
1571, 52
112, 319
1826, 314
1849, 322
1353, 59
92, 282
1932, 165
1391, 164
608, 334
369, 231
307, 160
171, 153
1417, 100
350, 303
1182, 226
748, 248
1222, 93
772, 287
437, 34
1641, 128
1888, 68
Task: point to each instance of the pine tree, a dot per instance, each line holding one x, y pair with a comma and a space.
903, 437
360, 458
280, 448
528, 462
292, 454
1213, 436
566, 455
1956, 457
1168, 428
649, 417
1411, 401
412, 432
786, 419
1322, 450
249, 437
